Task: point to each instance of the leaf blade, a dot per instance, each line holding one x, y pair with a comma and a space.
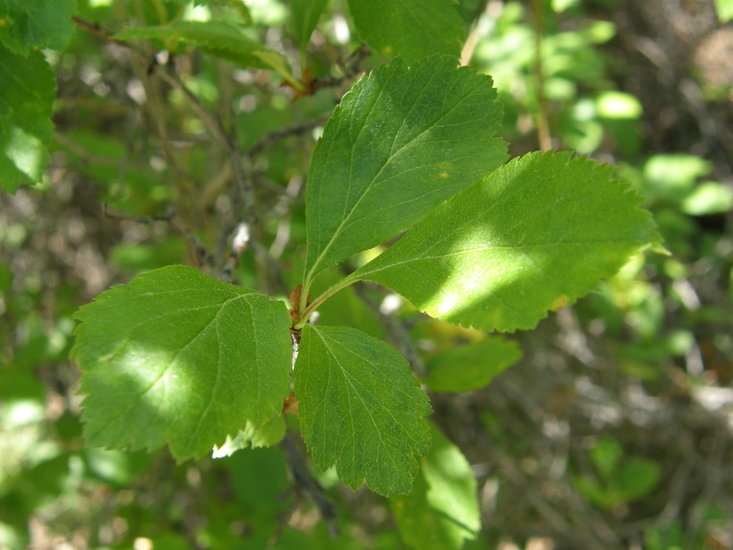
471, 366
34, 24
26, 101
409, 28
217, 38
360, 408
305, 15
403, 140
184, 364
535, 235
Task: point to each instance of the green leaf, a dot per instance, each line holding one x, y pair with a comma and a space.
724, 9
672, 176
403, 140
177, 357
442, 510
224, 40
305, 18
360, 408
409, 28
708, 198
606, 455
635, 480
591, 489
27, 24
535, 235
473, 366
26, 99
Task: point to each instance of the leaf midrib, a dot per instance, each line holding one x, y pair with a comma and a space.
371, 185
363, 274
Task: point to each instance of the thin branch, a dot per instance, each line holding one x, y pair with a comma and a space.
101, 32
245, 200
543, 125
350, 68
202, 253
272, 138
474, 36
307, 485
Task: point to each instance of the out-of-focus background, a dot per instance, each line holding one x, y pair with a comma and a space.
615, 430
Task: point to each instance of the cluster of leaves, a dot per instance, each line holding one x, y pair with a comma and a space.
411, 146
176, 357
27, 94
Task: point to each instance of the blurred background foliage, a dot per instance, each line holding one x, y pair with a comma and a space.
613, 431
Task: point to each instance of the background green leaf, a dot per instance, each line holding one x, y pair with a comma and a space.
26, 98
724, 9
305, 18
442, 510
470, 367
217, 38
409, 28
27, 24
177, 357
535, 235
360, 408
403, 140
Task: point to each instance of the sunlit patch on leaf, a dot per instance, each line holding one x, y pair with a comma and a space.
177, 357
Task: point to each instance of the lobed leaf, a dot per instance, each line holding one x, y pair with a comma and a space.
471, 367
177, 357
409, 28
26, 101
402, 141
535, 235
35, 24
442, 510
360, 408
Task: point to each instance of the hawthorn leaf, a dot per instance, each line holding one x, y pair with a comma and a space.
219, 39
360, 408
26, 100
471, 367
180, 358
35, 24
306, 14
534, 236
442, 510
409, 28
402, 140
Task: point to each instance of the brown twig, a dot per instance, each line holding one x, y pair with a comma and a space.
101, 32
